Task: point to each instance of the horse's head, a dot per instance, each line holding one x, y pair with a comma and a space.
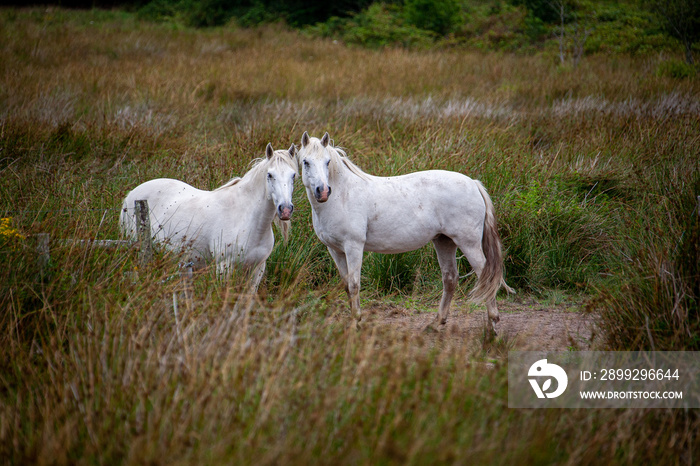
281, 172
315, 159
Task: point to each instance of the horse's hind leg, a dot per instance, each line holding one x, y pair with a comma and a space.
476, 258
342, 264
446, 250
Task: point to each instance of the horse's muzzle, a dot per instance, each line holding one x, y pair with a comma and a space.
285, 212
322, 193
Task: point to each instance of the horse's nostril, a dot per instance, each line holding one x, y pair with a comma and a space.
285, 211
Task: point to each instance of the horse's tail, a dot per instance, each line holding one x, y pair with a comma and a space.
491, 278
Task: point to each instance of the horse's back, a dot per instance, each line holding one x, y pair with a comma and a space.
402, 213
165, 197
434, 190
435, 179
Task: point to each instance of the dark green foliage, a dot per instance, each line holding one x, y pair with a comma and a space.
204, 13
516, 25
303, 12
439, 16
378, 26
197, 13
540, 9
681, 19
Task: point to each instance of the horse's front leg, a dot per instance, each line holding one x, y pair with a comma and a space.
349, 263
223, 269
256, 276
354, 262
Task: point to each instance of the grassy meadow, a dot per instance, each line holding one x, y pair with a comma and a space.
594, 172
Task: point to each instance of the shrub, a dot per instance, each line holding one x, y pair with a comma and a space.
555, 237
438, 16
676, 69
381, 25
541, 9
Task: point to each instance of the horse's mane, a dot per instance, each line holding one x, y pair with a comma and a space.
339, 158
229, 183
278, 157
260, 164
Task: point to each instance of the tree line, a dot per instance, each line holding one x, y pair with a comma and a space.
407, 22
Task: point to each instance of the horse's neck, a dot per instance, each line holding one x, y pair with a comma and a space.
253, 192
344, 176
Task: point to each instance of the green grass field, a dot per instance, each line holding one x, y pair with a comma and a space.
594, 172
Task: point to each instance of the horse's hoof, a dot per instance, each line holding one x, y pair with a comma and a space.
430, 328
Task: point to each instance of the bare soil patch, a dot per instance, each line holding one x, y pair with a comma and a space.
524, 325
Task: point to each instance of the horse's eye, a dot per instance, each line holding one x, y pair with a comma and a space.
306, 164
269, 176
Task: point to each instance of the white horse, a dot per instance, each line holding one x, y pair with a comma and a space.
231, 225
402, 213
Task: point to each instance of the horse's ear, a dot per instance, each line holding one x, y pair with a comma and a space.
325, 139
292, 150
269, 151
304, 139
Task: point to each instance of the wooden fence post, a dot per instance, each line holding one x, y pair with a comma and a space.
143, 231
43, 253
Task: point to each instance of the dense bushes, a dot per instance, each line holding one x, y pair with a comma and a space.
203, 13
557, 238
524, 25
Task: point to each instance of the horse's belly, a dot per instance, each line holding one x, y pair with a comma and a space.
392, 231
397, 243
245, 253
185, 240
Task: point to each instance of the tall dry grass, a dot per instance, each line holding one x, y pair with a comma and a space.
113, 375
591, 171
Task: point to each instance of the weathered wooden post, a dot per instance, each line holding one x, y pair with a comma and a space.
43, 253
143, 231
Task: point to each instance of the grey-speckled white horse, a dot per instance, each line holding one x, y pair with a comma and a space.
231, 225
354, 212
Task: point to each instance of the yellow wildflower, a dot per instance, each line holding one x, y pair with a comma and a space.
7, 232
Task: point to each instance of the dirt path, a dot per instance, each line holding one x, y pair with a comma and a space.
526, 325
